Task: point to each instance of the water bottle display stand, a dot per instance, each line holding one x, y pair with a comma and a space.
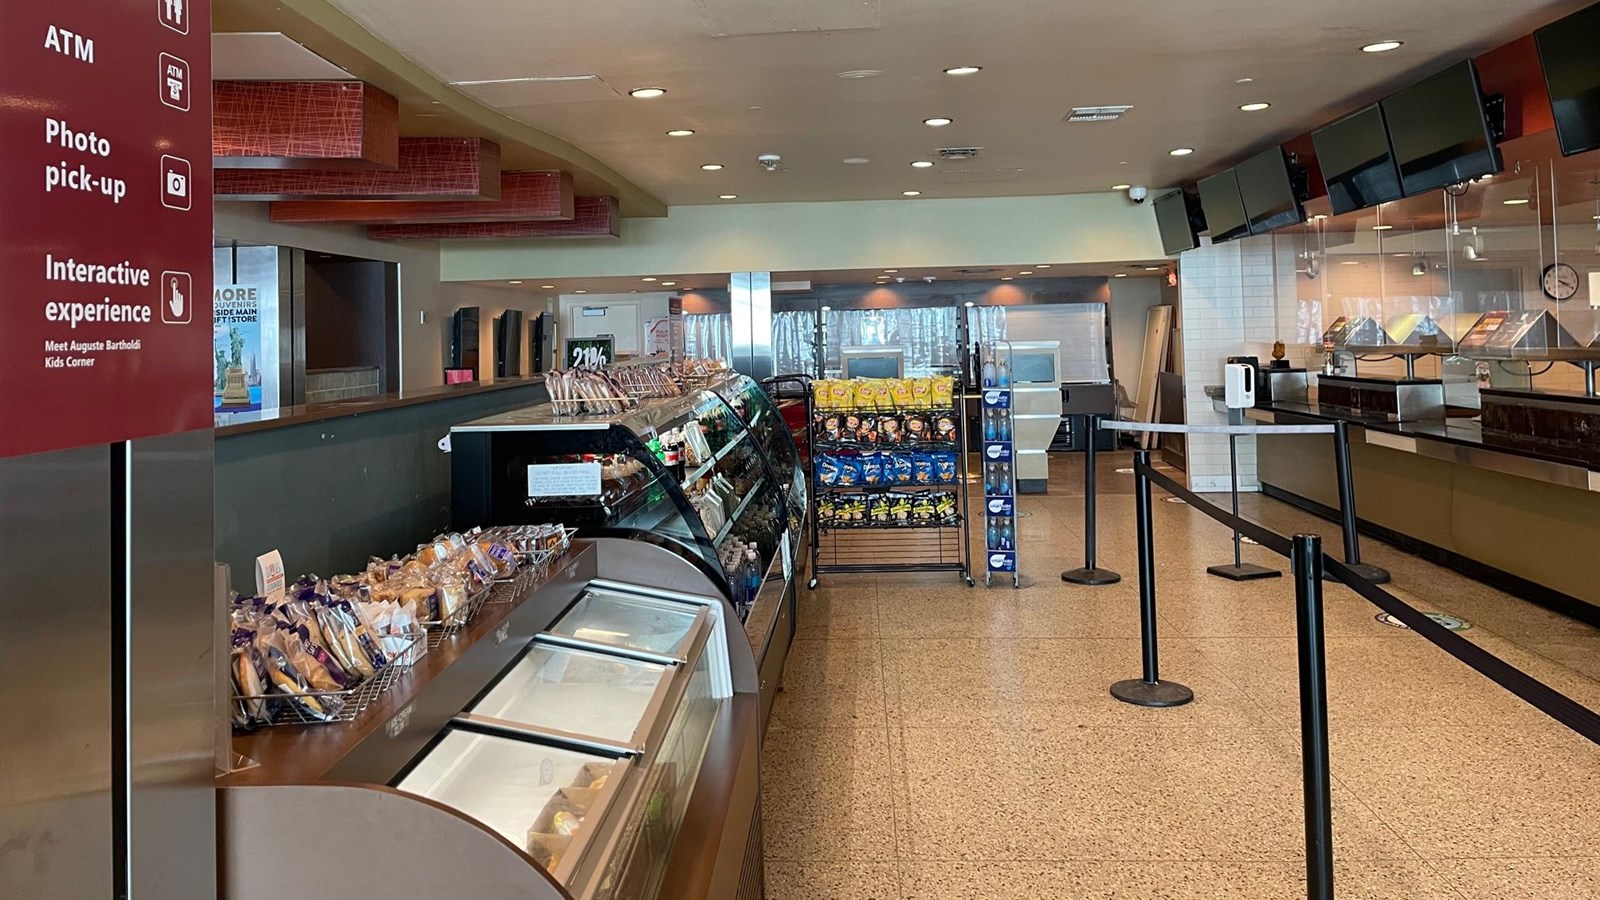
999, 461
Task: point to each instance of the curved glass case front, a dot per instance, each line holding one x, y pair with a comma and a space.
684, 468
761, 415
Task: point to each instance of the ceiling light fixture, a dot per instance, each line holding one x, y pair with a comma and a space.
1255, 107
1181, 151
855, 74
922, 164
1243, 80
647, 93
580, 291
1120, 275
1096, 113
1026, 272
513, 282
680, 132
1152, 268
1382, 46
1349, 262
648, 278
937, 121
1517, 202
1005, 277
856, 160
1042, 266
911, 193
548, 287
1382, 227
1420, 267
669, 284
712, 167
1120, 187
963, 70
1319, 217
727, 196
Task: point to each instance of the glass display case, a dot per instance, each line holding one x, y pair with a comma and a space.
713, 471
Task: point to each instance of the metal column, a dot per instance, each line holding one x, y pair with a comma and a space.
751, 296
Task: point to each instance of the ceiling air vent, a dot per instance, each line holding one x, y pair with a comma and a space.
958, 152
1097, 113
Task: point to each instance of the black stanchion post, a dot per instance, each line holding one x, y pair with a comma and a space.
1306, 559
1091, 574
1347, 509
1149, 690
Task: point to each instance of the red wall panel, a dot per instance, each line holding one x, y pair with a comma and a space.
523, 197
303, 124
430, 168
593, 217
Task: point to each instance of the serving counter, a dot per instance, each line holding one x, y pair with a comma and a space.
1509, 512
594, 738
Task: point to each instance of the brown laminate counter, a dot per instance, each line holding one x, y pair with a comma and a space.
285, 416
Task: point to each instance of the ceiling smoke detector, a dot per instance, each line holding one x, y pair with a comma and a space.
1096, 113
769, 161
958, 152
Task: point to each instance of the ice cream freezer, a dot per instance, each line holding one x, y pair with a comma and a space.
597, 740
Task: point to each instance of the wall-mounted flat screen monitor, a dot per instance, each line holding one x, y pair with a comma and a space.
1268, 192
1439, 131
1357, 162
874, 362
1570, 56
1219, 197
1034, 367
1172, 218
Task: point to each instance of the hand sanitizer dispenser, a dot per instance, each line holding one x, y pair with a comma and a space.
1239, 386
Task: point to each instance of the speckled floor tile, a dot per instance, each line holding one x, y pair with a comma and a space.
1524, 879
832, 683
848, 610
1200, 793
965, 791
833, 799
1521, 787
816, 880
1140, 880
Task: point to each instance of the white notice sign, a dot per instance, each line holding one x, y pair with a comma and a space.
269, 576
564, 480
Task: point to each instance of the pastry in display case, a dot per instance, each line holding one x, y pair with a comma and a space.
555, 752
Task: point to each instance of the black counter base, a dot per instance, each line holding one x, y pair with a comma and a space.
1517, 586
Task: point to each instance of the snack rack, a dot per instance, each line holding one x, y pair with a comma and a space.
865, 522
999, 465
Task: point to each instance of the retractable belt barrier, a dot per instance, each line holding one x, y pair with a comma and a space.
1536, 693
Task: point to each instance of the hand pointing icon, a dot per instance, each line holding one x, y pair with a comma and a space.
176, 290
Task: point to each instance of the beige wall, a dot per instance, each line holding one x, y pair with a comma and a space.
803, 237
426, 303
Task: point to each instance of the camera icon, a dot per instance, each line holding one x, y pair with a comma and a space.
176, 177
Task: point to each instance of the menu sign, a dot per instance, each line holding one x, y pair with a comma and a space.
105, 221
1478, 336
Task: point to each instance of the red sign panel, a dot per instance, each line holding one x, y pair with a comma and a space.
105, 222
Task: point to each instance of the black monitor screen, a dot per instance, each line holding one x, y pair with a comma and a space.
1571, 64
1219, 197
1356, 161
1439, 132
1172, 217
1267, 192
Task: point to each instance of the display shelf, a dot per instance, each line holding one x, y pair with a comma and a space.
942, 487
892, 526
727, 527
711, 463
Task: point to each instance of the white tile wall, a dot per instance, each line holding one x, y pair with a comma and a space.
1229, 305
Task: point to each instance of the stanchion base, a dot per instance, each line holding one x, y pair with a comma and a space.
1091, 577
1243, 572
1151, 693
1370, 573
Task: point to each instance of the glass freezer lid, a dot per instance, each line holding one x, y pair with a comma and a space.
630, 621
545, 800
577, 692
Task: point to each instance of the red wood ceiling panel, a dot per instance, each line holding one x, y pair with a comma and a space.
523, 197
1514, 71
463, 169
303, 125
593, 217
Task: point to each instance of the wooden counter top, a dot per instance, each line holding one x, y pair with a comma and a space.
285, 416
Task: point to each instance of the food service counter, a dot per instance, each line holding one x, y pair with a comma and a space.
1495, 510
594, 738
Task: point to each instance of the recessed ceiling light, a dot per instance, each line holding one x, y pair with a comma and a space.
580, 291
1005, 277
1243, 80
1120, 187
669, 284
1382, 227
1026, 272
1400, 255
922, 164
1042, 266
937, 122
1120, 275
856, 160
680, 132
1350, 262
513, 282
911, 193
1254, 107
1096, 113
1181, 151
548, 287
1514, 202
712, 167
890, 271
1152, 268
1319, 217
727, 196
860, 73
1382, 46
647, 93
963, 70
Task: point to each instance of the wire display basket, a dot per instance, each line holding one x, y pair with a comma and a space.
325, 707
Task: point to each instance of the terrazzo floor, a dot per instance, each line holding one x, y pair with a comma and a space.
937, 741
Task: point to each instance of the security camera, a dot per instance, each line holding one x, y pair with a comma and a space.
770, 161
1137, 193
930, 278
